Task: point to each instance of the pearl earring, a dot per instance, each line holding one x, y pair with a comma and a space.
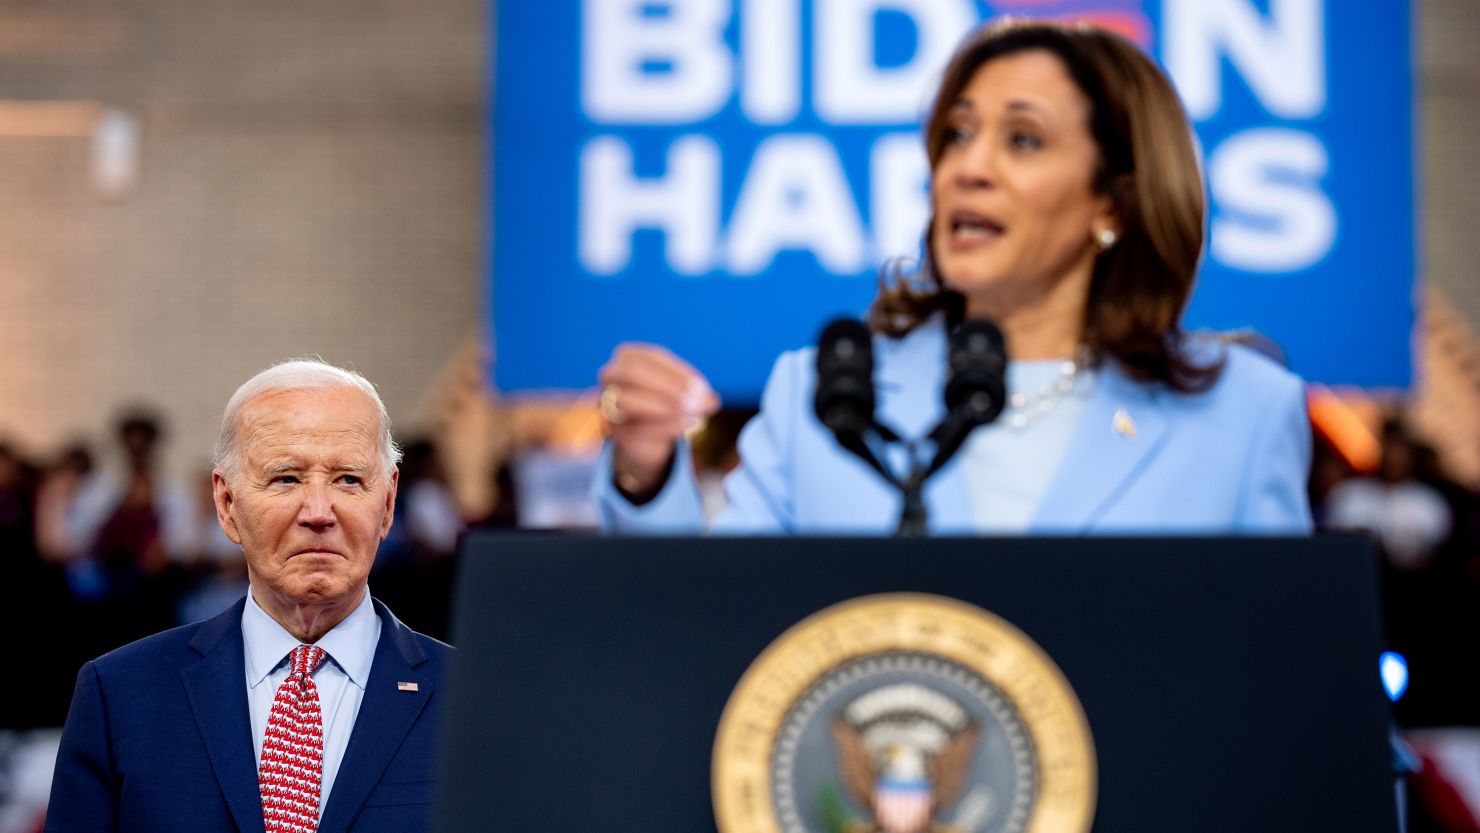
1106, 238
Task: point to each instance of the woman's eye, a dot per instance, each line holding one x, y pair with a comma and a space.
956, 135
1025, 141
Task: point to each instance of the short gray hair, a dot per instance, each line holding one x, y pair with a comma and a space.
296, 374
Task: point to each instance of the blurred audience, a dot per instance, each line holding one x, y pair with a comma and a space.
504, 514
125, 531
29, 584
432, 521
17, 502
54, 499
217, 575
1423, 524
415, 567
117, 550
127, 516
1409, 518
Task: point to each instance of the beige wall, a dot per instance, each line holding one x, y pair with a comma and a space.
1448, 120
310, 181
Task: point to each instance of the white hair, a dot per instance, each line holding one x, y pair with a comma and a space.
296, 374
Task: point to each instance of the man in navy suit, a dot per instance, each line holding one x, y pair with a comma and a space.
307, 697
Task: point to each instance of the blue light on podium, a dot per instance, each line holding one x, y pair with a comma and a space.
1394, 669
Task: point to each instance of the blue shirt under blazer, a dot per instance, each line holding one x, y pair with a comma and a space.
1144, 459
158, 738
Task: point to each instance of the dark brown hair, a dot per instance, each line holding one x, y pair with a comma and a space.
1149, 168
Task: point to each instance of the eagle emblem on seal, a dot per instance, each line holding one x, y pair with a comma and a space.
903, 752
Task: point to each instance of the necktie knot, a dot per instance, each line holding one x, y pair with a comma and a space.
306, 659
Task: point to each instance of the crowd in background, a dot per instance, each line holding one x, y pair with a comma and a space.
99, 548
109, 549
1426, 527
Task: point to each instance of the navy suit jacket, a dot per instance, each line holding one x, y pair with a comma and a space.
159, 738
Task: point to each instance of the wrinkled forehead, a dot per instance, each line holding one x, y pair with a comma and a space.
340, 419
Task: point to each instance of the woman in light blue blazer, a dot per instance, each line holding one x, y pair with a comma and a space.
1068, 208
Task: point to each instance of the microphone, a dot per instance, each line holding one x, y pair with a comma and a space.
977, 387
845, 377
975, 393
844, 399
976, 390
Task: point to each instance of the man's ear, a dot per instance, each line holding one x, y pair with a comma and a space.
224, 500
390, 503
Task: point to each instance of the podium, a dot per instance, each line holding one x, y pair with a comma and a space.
1229, 684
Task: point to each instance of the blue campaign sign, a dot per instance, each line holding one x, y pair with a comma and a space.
724, 176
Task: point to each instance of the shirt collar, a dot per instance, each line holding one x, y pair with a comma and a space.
350, 644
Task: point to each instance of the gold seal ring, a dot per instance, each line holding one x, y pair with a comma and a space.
753, 778
610, 411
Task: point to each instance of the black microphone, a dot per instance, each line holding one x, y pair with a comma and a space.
976, 390
845, 377
977, 387
844, 400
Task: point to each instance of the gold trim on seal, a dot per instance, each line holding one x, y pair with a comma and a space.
913, 622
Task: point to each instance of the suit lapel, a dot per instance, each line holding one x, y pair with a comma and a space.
217, 689
386, 715
1122, 429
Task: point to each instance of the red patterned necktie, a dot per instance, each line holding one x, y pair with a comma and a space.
293, 749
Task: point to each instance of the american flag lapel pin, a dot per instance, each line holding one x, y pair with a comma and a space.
404, 686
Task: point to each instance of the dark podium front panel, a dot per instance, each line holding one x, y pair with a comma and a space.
1229, 684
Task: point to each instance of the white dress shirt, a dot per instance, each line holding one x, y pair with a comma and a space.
340, 680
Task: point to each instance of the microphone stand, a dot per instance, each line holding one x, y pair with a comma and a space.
913, 517
844, 403
948, 436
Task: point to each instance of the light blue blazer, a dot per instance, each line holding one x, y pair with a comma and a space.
1232, 459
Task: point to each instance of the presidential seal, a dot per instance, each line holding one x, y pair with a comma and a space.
903, 713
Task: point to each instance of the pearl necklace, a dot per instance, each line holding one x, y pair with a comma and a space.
1023, 409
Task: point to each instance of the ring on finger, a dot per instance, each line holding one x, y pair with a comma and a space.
611, 411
